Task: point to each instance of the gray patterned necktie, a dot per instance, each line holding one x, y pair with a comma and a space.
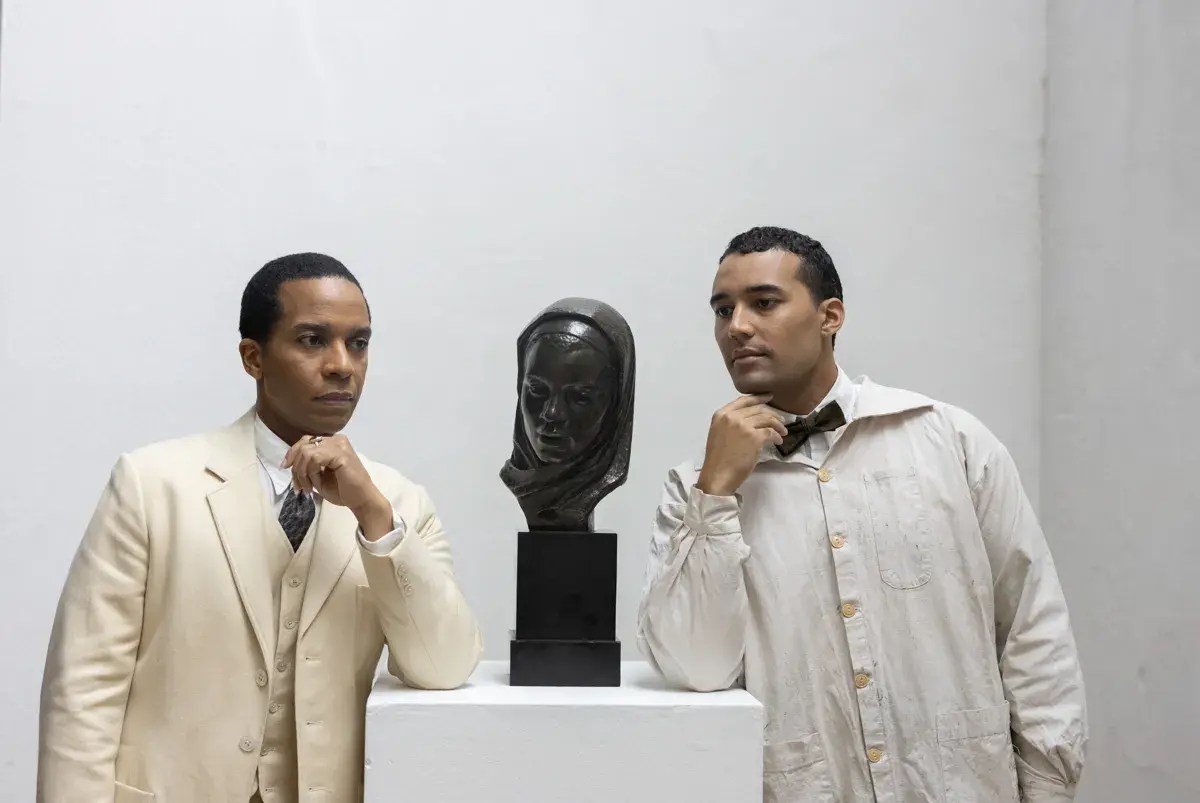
296, 516
829, 418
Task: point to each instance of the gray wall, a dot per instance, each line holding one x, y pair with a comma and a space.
1121, 380
473, 162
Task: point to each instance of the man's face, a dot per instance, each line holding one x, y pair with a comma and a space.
768, 328
313, 366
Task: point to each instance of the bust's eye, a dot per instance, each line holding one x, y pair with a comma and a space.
536, 389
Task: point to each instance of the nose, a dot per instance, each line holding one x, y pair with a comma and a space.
740, 328
552, 410
337, 361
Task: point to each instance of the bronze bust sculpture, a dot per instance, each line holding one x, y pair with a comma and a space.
574, 420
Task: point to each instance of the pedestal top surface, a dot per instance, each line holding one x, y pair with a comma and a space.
640, 686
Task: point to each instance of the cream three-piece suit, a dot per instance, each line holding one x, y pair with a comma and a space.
195, 657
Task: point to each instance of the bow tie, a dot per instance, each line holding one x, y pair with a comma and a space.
827, 419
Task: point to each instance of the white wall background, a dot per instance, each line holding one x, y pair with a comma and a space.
1122, 379
471, 163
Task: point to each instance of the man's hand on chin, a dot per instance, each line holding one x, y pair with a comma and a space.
330, 466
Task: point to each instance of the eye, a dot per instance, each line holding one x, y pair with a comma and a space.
310, 340
359, 344
766, 303
723, 312
582, 398
536, 390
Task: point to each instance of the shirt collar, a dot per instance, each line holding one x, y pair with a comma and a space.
844, 392
271, 450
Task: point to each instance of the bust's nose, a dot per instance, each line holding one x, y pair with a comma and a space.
553, 410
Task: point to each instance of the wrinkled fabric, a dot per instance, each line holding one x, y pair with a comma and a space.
894, 605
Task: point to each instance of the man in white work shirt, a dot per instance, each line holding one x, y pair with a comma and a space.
220, 626
865, 562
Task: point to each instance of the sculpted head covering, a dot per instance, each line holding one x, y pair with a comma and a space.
574, 420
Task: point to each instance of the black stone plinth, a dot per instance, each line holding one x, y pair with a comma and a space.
566, 585
566, 610
564, 662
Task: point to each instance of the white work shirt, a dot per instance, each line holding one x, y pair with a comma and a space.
892, 602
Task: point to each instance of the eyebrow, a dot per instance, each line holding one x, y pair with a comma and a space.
752, 290
325, 329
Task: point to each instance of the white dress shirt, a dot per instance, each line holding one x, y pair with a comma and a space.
890, 598
276, 481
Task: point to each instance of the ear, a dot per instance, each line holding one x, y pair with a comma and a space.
251, 351
833, 315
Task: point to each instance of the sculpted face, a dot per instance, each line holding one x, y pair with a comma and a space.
566, 389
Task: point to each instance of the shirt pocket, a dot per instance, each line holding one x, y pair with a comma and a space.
975, 748
900, 527
796, 770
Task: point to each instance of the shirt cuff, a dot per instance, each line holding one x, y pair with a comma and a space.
712, 515
386, 543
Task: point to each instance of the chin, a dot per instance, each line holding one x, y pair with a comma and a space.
329, 424
750, 384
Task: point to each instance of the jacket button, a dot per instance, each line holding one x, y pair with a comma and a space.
247, 746
260, 678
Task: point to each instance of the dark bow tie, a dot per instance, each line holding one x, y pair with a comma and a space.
827, 419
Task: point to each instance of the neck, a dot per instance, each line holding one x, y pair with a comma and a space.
286, 433
809, 392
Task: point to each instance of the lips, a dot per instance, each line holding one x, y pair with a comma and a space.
336, 398
553, 441
745, 354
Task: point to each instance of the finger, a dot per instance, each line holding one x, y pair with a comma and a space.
294, 450
300, 469
769, 433
313, 474
766, 417
743, 402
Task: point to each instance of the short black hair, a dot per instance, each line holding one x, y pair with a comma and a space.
816, 267
260, 300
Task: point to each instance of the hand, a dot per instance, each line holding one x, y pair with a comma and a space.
330, 466
735, 437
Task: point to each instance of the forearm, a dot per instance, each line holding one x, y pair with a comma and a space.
695, 613
433, 638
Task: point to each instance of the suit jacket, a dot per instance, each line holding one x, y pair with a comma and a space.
155, 680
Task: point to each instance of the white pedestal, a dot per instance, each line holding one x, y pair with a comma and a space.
489, 742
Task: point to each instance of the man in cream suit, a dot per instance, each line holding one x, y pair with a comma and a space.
221, 623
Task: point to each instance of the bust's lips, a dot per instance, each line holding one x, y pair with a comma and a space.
554, 442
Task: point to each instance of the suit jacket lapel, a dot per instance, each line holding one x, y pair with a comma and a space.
336, 540
238, 510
